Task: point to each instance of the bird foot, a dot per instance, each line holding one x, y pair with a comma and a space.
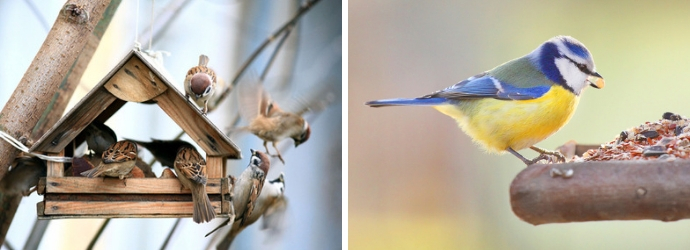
560, 158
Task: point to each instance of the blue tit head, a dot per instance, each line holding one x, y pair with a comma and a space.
567, 62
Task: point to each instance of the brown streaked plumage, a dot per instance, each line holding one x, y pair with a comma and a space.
248, 189
200, 83
191, 171
117, 161
165, 151
267, 120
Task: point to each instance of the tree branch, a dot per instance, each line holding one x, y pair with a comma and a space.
613, 190
68, 36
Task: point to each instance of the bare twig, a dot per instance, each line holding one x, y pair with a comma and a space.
37, 13
594, 191
98, 234
163, 21
36, 235
263, 45
172, 231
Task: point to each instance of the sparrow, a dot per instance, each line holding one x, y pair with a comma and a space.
200, 83
271, 206
167, 173
266, 119
117, 161
248, 188
191, 171
24, 174
99, 137
519, 103
165, 152
145, 168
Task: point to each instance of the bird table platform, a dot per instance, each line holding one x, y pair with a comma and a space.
643, 174
137, 78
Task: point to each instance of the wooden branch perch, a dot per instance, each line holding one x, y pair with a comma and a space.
71, 30
615, 190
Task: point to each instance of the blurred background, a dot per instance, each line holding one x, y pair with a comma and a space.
305, 74
418, 182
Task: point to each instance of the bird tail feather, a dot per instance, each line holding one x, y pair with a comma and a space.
407, 102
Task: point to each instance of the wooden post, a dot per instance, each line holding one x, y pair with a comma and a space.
34, 92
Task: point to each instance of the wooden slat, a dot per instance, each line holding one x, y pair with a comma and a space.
225, 195
196, 125
121, 208
116, 186
55, 169
135, 82
74, 122
215, 166
124, 197
103, 216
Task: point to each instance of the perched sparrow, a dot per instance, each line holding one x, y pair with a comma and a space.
145, 168
248, 189
165, 152
99, 137
271, 206
191, 171
167, 173
118, 161
200, 83
266, 119
24, 174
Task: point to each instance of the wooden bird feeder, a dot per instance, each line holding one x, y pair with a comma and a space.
137, 78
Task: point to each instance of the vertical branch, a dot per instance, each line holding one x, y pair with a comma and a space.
71, 30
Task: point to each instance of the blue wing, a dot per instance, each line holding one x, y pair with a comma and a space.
479, 86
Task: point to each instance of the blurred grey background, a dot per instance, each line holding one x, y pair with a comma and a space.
308, 68
416, 181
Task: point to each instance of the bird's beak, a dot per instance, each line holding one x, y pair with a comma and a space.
596, 80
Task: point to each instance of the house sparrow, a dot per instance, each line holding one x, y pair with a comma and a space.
24, 174
200, 83
99, 137
271, 206
117, 161
191, 171
165, 152
248, 189
167, 173
266, 119
145, 168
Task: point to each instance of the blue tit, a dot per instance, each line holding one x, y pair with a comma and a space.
520, 102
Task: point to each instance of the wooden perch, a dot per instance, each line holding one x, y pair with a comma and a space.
614, 190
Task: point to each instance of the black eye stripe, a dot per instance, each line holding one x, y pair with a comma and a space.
580, 66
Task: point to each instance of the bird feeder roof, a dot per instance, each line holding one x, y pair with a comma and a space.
137, 78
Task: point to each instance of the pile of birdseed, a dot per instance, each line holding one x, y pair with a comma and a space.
666, 139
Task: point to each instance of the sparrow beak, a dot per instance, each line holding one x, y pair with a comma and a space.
596, 80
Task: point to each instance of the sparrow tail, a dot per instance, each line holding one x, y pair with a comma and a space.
203, 209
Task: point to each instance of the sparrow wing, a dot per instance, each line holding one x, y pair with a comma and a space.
254, 192
253, 99
121, 151
191, 165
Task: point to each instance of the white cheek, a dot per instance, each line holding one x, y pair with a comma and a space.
572, 75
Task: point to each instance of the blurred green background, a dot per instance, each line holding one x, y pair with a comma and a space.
417, 181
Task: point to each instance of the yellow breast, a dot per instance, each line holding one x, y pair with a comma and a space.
499, 124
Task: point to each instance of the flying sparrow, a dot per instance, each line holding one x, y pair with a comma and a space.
266, 119
248, 188
200, 83
24, 174
165, 152
191, 171
117, 161
99, 137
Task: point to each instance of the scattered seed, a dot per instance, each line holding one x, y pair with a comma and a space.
654, 151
